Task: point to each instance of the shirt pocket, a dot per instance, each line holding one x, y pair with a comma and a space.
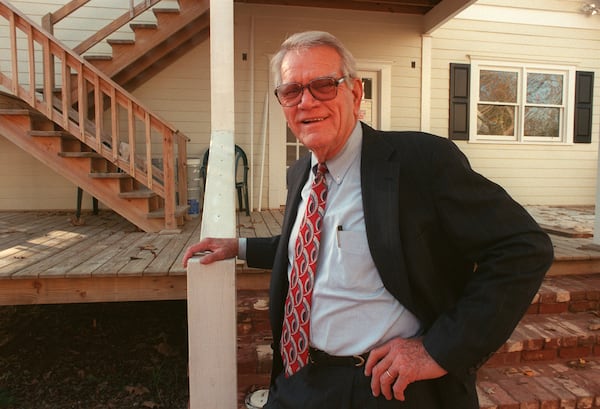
352, 242
357, 272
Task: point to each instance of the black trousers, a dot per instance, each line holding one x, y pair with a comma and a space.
346, 387
327, 387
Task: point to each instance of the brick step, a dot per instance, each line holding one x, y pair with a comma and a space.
551, 361
537, 339
551, 336
562, 384
557, 294
253, 332
572, 293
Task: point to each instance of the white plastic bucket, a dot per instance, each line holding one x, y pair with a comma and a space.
193, 172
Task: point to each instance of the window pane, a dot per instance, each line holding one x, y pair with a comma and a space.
544, 89
495, 120
289, 135
542, 122
290, 152
498, 86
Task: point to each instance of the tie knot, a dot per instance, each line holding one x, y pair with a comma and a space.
320, 168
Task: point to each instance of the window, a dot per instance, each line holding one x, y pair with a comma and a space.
293, 148
521, 103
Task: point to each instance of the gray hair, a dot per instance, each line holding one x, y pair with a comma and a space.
309, 39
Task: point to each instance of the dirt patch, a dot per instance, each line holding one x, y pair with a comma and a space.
94, 356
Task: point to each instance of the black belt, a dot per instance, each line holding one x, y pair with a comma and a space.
318, 357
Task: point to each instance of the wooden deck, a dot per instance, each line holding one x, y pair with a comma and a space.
46, 259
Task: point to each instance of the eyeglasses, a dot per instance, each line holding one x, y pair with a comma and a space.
322, 89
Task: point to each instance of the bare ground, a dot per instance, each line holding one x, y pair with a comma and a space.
94, 356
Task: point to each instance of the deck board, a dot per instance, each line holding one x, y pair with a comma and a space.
45, 258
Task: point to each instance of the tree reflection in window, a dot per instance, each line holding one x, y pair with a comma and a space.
502, 112
543, 91
497, 88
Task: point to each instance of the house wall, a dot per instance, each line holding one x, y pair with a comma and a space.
259, 30
533, 174
550, 174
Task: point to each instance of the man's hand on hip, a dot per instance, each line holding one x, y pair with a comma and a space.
398, 363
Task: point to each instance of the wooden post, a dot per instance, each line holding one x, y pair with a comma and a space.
211, 288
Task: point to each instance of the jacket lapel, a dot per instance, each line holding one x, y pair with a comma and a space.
296, 179
380, 180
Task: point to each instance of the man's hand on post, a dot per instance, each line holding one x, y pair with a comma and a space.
213, 249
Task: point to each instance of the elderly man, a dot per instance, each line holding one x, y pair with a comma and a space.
399, 270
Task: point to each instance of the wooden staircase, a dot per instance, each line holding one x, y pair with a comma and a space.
551, 361
83, 125
177, 30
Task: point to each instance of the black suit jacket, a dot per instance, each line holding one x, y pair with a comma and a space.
449, 244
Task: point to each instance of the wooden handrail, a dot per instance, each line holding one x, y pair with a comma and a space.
50, 19
114, 26
145, 130
66, 10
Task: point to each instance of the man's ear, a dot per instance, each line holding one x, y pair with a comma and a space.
357, 92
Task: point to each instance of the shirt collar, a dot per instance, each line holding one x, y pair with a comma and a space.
338, 165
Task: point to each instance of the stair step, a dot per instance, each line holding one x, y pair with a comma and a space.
10, 101
137, 194
165, 15
551, 361
109, 175
62, 134
80, 155
115, 41
551, 336
97, 57
180, 211
165, 10
561, 384
573, 293
143, 26
14, 111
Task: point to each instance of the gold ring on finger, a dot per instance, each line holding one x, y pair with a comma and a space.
388, 374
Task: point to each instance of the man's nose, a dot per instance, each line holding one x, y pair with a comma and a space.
306, 97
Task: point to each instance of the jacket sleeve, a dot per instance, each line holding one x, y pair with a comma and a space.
510, 254
260, 252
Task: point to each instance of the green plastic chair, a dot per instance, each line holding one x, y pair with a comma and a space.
241, 177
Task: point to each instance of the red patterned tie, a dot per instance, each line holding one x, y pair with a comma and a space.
296, 324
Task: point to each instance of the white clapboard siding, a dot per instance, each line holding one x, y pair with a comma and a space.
534, 174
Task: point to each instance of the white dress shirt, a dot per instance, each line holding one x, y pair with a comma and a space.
352, 312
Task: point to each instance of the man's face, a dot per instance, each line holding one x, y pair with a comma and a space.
321, 126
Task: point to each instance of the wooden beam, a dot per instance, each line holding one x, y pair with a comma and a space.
443, 12
83, 290
389, 6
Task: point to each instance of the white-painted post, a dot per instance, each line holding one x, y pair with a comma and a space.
596, 231
211, 288
426, 61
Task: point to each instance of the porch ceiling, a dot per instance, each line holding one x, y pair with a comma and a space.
392, 6
434, 12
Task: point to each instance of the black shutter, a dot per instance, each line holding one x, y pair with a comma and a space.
459, 102
584, 92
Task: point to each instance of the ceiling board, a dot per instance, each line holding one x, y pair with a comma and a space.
421, 7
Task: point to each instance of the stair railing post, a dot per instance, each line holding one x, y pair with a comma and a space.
169, 178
